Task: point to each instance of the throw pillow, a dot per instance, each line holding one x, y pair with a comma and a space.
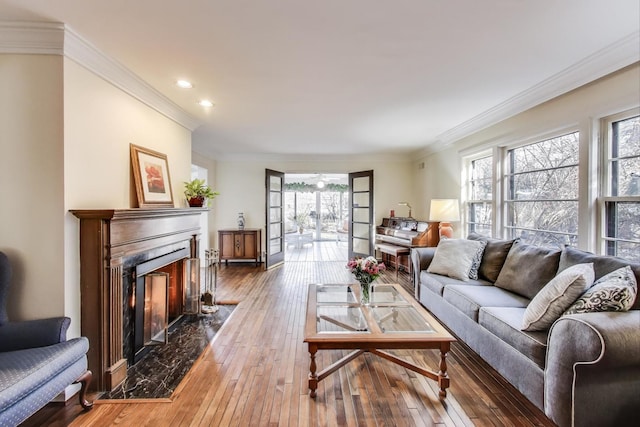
494, 256
602, 264
615, 291
528, 269
477, 260
556, 296
454, 257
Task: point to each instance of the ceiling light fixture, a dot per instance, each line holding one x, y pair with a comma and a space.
184, 84
206, 103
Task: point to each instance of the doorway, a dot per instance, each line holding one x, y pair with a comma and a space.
305, 211
316, 212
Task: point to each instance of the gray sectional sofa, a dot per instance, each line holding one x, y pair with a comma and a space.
584, 370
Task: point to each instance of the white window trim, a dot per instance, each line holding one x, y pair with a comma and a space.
604, 182
501, 222
465, 190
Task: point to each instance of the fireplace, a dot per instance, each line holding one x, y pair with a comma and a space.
156, 294
127, 257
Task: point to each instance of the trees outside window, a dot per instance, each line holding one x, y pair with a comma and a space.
622, 187
542, 192
480, 195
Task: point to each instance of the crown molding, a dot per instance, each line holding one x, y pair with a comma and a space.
37, 38
59, 39
86, 54
614, 57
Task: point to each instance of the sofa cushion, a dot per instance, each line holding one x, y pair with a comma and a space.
557, 295
436, 282
24, 371
602, 265
615, 291
504, 322
528, 269
469, 298
494, 256
454, 257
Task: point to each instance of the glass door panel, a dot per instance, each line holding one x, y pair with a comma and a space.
361, 203
274, 184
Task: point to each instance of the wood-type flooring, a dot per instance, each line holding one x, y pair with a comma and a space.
255, 370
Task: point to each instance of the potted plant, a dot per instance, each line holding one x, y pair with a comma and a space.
197, 192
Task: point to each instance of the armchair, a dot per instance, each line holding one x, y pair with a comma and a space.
37, 362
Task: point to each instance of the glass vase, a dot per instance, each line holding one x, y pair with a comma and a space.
365, 292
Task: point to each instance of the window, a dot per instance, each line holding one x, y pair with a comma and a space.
622, 188
542, 192
480, 196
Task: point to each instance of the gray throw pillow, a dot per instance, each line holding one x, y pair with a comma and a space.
615, 291
557, 295
527, 269
454, 258
494, 256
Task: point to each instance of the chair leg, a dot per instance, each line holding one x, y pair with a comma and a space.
84, 381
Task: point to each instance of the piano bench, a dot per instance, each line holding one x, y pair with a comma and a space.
397, 252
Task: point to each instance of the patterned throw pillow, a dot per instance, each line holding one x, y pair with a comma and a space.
615, 291
477, 259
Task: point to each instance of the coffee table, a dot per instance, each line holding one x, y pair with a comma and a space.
392, 321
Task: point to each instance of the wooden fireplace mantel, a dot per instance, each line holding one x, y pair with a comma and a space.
107, 238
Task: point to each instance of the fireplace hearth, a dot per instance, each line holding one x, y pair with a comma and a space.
118, 249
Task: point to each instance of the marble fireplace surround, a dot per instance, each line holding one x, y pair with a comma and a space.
112, 242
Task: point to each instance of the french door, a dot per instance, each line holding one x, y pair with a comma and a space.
361, 240
274, 185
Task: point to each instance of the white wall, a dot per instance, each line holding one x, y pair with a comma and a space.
242, 186
31, 183
580, 109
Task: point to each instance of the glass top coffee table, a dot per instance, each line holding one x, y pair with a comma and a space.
393, 320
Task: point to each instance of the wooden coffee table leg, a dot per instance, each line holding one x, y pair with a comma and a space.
313, 377
443, 379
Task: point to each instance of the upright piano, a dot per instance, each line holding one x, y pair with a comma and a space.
396, 236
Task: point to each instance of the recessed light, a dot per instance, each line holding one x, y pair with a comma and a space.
206, 103
184, 84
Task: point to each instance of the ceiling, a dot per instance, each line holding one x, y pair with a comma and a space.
341, 77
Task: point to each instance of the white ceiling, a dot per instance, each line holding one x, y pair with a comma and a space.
295, 77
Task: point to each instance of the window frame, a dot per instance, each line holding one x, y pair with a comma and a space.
468, 192
507, 199
607, 201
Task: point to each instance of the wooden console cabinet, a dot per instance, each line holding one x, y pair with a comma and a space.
236, 244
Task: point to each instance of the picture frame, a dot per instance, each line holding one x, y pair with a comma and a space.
151, 176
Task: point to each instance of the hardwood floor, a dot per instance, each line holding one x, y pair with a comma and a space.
255, 371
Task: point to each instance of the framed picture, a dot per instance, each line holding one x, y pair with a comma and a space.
151, 176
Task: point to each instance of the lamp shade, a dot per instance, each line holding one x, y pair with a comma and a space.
444, 210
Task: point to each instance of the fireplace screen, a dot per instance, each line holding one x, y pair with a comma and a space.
156, 308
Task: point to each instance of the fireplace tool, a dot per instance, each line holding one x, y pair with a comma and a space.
211, 261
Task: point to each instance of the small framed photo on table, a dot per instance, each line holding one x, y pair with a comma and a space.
151, 176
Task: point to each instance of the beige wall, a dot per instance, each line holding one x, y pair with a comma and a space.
242, 186
580, 110
100, 122
66, 134
32, 182
210, 166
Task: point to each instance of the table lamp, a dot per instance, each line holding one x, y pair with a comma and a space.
445, 211
407, 205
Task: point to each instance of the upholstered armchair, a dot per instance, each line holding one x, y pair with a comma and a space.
37, 362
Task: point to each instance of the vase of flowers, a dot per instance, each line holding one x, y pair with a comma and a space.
365, 270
